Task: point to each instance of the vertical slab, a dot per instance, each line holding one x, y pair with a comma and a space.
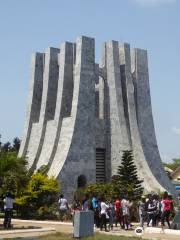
118, 128
34, 99
75, 153
104, 112
48, 103
145, 119
97, 90
50, 83
63, 105
143, 169
102, 79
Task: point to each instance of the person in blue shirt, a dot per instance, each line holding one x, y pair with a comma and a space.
94, 203
95, 208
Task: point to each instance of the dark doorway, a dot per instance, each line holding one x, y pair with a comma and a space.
81, 181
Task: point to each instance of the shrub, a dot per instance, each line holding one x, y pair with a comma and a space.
13, 173
39, 198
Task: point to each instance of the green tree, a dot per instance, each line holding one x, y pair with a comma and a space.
43, 169
6, 147
99, 190
125, 182
127, 179
0, 142
174, 164
14, 147
38, 198
13, 173
16, 144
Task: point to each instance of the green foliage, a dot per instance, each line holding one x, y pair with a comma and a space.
99, 190
16, 144
6, 147
43, 169
36, 195
174, 164
13, 173
128, 179
38, 198
125, 182
14, 147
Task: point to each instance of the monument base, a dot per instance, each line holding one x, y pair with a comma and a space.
83, 224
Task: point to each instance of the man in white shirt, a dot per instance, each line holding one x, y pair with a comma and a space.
104, 208
63, 207
8, 210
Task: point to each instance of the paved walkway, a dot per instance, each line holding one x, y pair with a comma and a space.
68, 228
17, 224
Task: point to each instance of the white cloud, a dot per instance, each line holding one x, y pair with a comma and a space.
176, 130
153, 2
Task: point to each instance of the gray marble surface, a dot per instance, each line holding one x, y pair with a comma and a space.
76, 106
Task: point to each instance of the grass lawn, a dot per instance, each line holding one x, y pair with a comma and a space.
60, 236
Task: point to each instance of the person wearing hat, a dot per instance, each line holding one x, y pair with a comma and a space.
141, 211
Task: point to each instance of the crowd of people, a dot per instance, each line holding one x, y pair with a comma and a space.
152, 210
156, 210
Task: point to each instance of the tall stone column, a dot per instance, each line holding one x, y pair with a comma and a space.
75, 155
145, 119
63, 105
104, 112
144, 171
48, 103
118, 127
34, 99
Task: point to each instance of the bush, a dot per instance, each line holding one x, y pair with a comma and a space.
13, 173
39, 198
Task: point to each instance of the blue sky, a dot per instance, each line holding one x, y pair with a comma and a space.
30, 26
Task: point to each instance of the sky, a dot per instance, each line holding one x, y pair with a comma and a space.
31, 26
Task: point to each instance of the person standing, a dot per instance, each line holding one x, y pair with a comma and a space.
125, 212
63, 207
98, 213
166, 209
111, 214
8, 210
151, 211
85, 203
104, 208
157, 202
118, 217
94, 203
95, 209
141, 210
76, 206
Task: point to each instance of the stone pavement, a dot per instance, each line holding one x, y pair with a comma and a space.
66, 227
56, 226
